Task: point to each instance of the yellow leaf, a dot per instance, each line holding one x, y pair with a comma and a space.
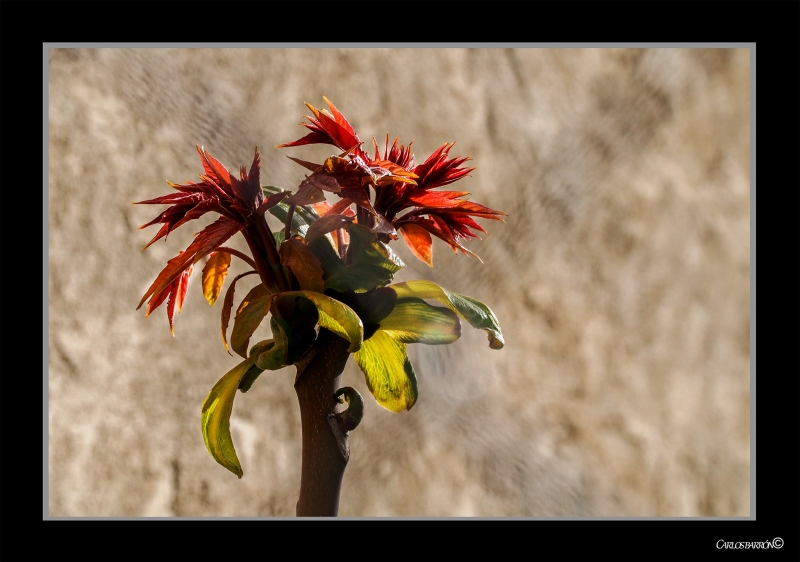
334, 316
252, 311
390, 376
214, 273
215, 416
472, 310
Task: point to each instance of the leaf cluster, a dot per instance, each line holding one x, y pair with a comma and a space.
329, 268
346, 290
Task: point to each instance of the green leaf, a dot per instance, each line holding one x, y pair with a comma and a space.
327, 256
303, 216
259, 348
309, 215
365, 249
472, 310
299, 224
251, 312
300, 330
334, 316
415, 321
298, 257
274, 357
389, 374
394, 264
372, 306
215, 416
254, 371
358, 277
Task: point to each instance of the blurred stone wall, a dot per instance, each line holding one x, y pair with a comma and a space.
620, 279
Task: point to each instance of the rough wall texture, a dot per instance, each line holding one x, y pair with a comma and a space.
621, 281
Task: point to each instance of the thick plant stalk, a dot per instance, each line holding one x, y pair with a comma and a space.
325, 446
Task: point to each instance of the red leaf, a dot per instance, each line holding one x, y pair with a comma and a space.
326, 224
310, 138
214, 168
437, 170
271, 201
248, 188
338, 129
439, 228
173, 198
188, 188
310, 165
432, 200
255, 170
465, 220
343, 207
177, 293
307, 194
452, 194
205, 242
163, 231
401, 156
157, 300
327, 128
200, 209
211, 187
322, 181
341, 121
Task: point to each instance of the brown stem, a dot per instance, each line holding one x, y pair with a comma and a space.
381, 198
272, 257
361, 215
289, 217
326, 448
260, 262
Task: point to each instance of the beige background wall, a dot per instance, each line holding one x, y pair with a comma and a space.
621, 281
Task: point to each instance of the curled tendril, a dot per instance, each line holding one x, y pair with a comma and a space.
349, 419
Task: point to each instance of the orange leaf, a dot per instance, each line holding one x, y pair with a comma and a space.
419, 241
214, 273
321, 208
297, 256
393, 168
